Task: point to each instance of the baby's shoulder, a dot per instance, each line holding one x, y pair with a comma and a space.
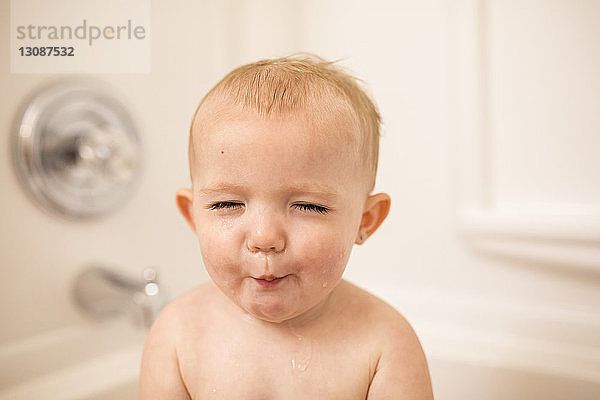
370, 310
380, 323
400, 366
186, 313
160, 375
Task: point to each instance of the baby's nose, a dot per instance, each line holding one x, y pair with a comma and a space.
266, 244
266, 238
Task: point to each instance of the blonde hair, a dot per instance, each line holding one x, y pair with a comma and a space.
284, 85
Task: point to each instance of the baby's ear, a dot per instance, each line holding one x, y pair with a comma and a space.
376, 209
185, 203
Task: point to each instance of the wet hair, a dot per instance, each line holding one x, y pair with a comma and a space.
282, 86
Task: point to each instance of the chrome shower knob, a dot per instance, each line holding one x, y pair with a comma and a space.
77, 149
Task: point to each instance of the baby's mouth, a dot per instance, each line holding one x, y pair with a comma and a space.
267, 281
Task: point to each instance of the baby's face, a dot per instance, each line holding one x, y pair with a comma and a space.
277, 205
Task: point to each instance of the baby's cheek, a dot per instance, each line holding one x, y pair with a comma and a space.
327, 256
217, 250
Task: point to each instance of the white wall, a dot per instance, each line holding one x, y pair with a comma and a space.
42, 253
489, 152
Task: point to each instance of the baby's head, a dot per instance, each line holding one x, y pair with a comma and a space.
310, 87
283, 155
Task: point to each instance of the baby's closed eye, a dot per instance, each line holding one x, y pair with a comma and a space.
300, 206
225, 204
311, 207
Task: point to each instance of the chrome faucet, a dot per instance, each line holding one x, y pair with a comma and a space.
104, 293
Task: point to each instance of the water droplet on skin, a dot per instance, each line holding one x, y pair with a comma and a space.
301, 367
324, 284
302, 353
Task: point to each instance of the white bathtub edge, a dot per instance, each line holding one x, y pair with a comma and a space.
75, 382
456, 327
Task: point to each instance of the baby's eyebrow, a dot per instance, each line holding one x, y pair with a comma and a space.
309, 189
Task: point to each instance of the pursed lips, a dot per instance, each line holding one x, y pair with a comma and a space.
269, 280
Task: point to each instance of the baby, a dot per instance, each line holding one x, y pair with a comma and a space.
283, 156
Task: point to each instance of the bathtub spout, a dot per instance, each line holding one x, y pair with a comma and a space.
103, 294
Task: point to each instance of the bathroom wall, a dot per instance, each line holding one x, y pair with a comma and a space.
42, 253
489, 152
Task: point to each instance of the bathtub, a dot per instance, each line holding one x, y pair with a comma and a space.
476, 350
496, 349
94, 361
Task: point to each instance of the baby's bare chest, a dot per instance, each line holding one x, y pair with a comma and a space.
261, 369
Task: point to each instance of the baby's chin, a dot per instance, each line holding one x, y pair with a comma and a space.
273, 313
284, 313
286, 303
